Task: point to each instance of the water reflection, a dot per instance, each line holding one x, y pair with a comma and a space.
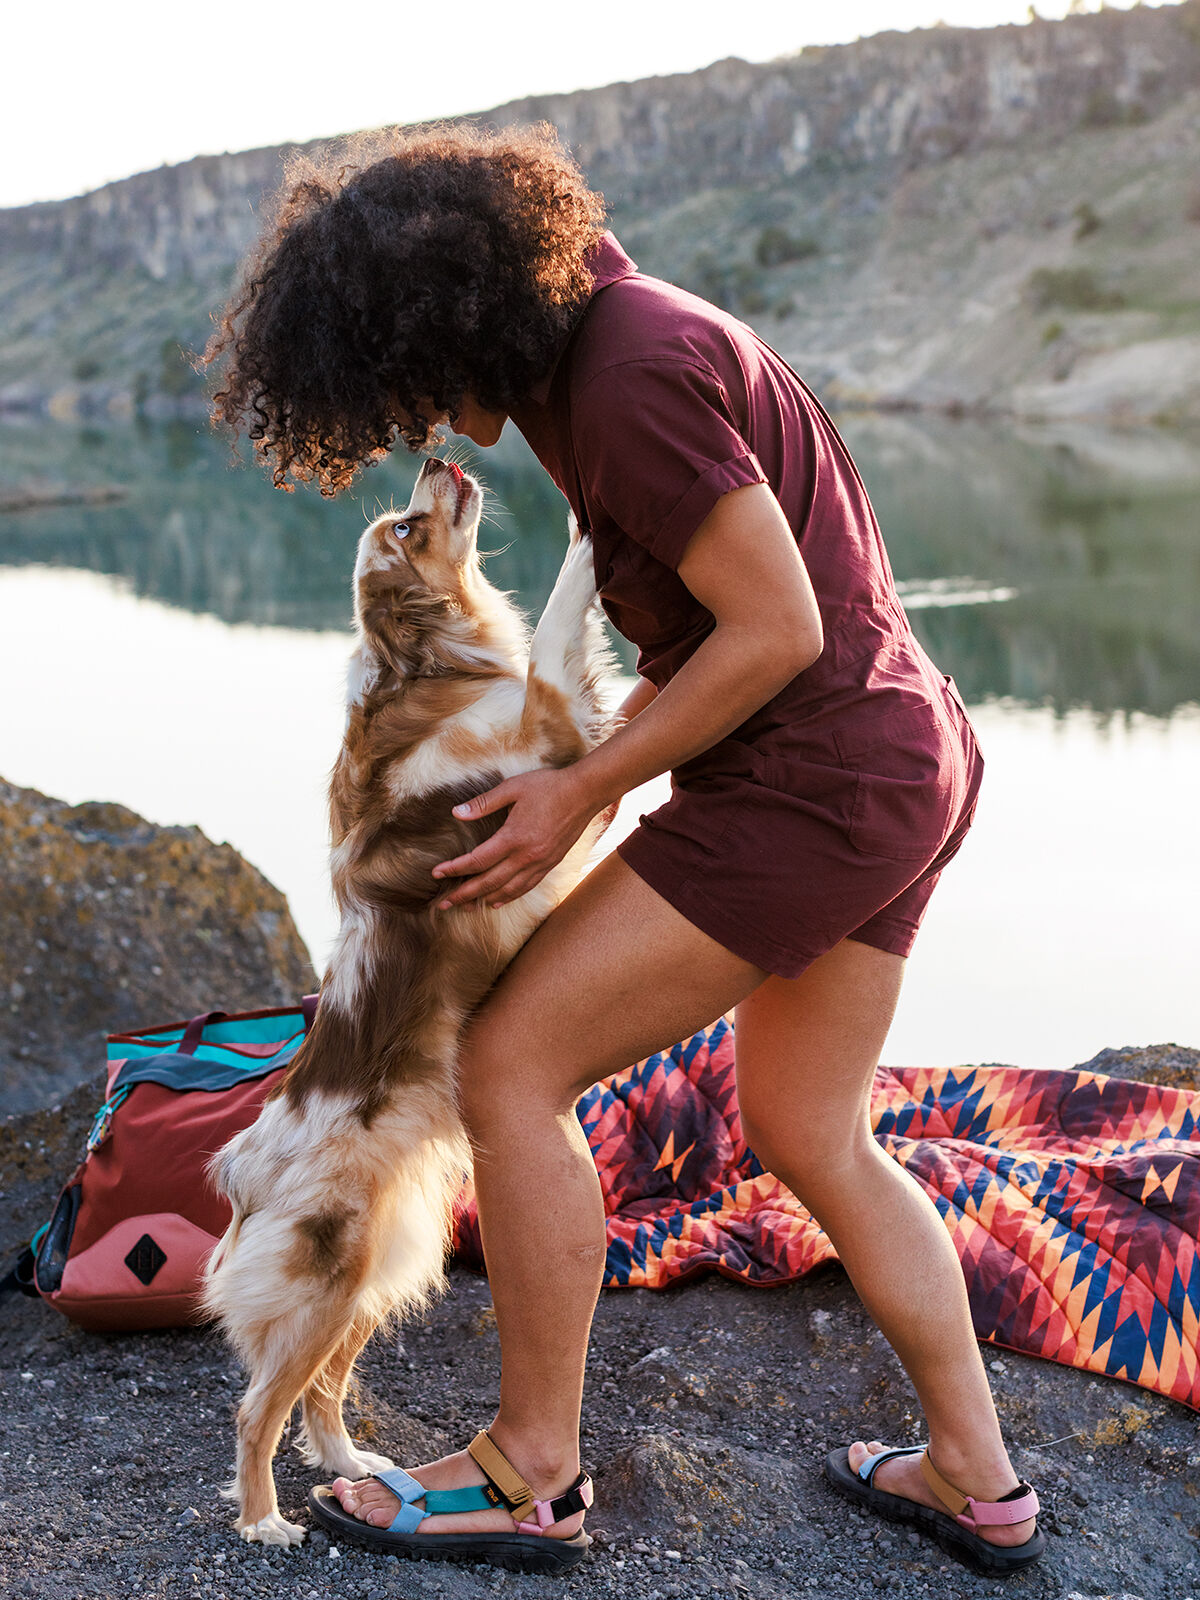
1057, 567
1095, 535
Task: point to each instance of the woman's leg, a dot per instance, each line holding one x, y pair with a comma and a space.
806, 1054
613, 975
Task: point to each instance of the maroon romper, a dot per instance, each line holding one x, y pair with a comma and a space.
832, 810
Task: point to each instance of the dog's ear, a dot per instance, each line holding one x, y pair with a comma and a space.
402, 627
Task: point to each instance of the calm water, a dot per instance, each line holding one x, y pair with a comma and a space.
1056, 574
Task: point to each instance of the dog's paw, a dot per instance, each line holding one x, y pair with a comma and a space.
272, 1529
354, 1463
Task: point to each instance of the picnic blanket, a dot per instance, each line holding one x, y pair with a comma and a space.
1073, 1199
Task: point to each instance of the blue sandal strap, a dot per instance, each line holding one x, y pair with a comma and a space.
868, 1468
409, 1517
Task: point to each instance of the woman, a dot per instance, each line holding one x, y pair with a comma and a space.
823, 771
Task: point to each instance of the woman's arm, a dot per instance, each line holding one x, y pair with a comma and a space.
638, 698
742, 563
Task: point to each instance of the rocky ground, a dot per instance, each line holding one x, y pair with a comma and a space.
709, 1408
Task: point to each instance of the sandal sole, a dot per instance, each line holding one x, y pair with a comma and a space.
993, 1561
517, 1552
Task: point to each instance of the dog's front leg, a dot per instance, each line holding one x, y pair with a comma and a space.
324, 1441
569, 652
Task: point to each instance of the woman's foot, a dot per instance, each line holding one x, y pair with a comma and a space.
902, 1476
372, 1502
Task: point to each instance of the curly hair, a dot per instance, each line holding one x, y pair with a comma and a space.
402, 268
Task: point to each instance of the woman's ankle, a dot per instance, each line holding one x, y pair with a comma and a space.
985, 1473
547, 1465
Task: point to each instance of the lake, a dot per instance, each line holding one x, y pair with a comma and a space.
181, 650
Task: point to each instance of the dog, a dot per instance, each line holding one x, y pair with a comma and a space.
342, 1191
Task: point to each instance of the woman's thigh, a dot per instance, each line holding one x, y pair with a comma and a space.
807, 1049
614, 974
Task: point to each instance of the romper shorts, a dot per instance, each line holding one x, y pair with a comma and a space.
839, 830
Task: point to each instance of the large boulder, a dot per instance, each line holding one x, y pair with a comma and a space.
109, 923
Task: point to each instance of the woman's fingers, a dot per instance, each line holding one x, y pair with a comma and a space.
479, 859
485, 854
483, 887
484, 804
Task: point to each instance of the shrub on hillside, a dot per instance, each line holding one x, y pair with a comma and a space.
1087, 221
776, 247
1073, 288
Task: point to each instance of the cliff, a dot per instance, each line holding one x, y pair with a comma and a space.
999, 219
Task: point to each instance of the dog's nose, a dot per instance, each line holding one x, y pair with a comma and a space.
434, 465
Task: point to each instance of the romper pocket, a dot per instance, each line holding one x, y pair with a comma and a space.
909, 774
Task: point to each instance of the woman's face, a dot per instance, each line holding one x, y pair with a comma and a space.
471, 421
474, 423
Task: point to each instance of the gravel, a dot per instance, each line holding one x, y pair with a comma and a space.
709, 1409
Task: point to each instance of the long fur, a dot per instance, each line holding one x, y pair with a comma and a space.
342, 1191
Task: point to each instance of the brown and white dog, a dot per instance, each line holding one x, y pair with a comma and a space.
342, 1190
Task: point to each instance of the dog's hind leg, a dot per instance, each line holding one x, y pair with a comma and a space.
291, 1352
324, 1441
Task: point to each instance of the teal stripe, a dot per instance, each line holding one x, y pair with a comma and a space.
203, 1052
256, 1030
438, 1502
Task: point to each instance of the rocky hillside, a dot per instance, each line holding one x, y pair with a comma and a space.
1003, 219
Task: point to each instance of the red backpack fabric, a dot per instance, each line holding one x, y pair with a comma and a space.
136, 1222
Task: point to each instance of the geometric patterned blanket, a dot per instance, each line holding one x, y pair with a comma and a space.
1073, 1199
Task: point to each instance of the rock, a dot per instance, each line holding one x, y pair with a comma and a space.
109, 923
668, 1487
1172, 1065
924, 165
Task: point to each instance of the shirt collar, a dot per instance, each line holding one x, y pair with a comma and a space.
607, 263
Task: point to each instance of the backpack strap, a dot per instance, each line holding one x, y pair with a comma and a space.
19, 1278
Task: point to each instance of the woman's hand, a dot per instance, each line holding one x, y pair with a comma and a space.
548, 810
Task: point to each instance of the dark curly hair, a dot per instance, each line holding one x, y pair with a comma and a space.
402, 268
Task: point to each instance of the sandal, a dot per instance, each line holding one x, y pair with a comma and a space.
527, 1550
954, 1529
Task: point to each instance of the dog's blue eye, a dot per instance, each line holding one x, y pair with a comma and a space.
401, 530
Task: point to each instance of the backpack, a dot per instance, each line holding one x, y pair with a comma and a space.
137, 1220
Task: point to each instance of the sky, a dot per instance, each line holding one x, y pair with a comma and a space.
93, 93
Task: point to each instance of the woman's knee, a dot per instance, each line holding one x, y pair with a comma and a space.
812, 1158
502, 1073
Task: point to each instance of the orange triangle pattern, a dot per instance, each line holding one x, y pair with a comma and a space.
1073, 1199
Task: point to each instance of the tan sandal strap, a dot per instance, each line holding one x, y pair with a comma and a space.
490, 1459
946, 1492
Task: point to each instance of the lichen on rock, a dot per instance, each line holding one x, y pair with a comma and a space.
109, 922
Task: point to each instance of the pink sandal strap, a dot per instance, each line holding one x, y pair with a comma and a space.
547, 1512
971, 1513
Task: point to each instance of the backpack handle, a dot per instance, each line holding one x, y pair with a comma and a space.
195, 1029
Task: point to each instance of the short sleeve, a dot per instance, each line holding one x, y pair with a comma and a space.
656, 447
